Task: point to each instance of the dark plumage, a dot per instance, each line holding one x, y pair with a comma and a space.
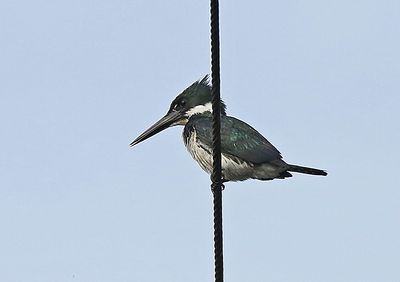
237, 138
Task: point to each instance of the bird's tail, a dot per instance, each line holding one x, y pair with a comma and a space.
306, 170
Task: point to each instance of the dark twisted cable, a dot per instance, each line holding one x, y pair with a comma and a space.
216, 132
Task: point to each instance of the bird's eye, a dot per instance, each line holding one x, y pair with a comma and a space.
179, 105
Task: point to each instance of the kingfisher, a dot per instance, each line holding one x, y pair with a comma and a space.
245, 153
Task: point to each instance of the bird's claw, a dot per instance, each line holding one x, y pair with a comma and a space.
214, 186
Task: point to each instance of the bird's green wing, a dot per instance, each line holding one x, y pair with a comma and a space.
237, 139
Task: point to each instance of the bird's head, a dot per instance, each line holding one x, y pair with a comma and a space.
196, 99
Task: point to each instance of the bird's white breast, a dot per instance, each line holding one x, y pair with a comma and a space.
203, 157
233, 169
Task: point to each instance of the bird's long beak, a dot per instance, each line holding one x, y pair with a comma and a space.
170, 119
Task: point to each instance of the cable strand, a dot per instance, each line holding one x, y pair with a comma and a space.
216, 132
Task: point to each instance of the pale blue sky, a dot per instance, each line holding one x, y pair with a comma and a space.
80, 79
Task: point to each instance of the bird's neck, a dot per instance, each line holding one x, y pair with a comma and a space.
205, 109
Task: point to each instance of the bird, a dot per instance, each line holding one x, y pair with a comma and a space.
245, 153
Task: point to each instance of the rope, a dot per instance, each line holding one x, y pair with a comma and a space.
216, 174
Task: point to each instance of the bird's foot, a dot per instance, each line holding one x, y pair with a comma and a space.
214, 186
